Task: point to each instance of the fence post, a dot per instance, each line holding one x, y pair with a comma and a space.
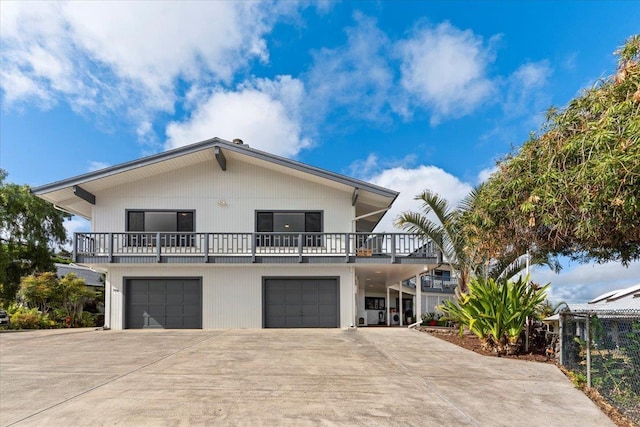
588, 332
561, 339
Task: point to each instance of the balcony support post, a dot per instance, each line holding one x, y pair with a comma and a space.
110, 247
393, 248
347, 237
418, 311
300, 247
206, 247
253, 247
74, 256
158, 247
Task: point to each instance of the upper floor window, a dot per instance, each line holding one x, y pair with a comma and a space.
174, 222
168, 221
289, 222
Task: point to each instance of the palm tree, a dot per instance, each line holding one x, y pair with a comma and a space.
446, 234
459, 250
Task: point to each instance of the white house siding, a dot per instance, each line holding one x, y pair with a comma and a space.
244, 187
231, 295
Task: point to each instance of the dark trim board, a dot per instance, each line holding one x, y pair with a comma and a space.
194, 320
319, 318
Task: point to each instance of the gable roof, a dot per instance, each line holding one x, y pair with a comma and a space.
66, 195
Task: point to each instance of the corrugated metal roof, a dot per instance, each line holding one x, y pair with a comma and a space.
91, 278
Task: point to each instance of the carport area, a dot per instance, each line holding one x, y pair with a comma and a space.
376, 376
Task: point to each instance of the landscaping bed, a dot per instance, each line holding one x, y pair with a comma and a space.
472, 343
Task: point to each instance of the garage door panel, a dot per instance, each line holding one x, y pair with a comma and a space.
309, 310
191, 298
293, 322
310, 298
191, 322
292, 310
326, 310
163, 303
293, 298
301, 303
173, 310
326, 299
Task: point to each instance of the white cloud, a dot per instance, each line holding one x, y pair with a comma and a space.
485, 174
263, 113
525, 89
444, 69
411, 182
586, 281
125, 56
356, 76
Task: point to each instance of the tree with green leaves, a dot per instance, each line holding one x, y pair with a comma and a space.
574, 188
30, 228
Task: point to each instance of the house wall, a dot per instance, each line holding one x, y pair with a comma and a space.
231, 295
245, 187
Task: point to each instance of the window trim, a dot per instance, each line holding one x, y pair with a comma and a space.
147, 238
300, 211
177, 211
268, 242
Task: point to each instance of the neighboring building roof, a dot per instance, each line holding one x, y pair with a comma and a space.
367, 197
619, 301
91, 278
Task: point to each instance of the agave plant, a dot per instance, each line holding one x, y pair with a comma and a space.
496, 310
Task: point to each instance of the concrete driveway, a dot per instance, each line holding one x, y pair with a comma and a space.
374, 376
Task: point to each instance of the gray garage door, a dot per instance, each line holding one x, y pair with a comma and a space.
163, 303
301, 303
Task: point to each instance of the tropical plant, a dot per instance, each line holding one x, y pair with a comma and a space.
459, 246
446, 233
496, 310
574, 188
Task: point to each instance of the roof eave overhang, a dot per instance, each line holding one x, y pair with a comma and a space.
360, 185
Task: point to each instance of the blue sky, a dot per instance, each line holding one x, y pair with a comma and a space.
406, 94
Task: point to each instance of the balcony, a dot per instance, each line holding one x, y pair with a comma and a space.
233, 248
439, 284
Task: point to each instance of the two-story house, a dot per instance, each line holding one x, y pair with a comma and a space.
219, 235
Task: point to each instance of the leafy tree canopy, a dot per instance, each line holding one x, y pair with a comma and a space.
573, 189
29, 229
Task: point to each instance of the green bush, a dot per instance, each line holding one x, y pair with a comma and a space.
88, 320
496, 311
24, 318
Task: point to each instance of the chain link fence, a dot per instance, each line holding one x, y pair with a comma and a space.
603, 350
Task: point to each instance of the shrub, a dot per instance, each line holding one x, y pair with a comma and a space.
88, 320
24, 318
496, 311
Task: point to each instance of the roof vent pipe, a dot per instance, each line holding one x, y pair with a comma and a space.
237, 141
